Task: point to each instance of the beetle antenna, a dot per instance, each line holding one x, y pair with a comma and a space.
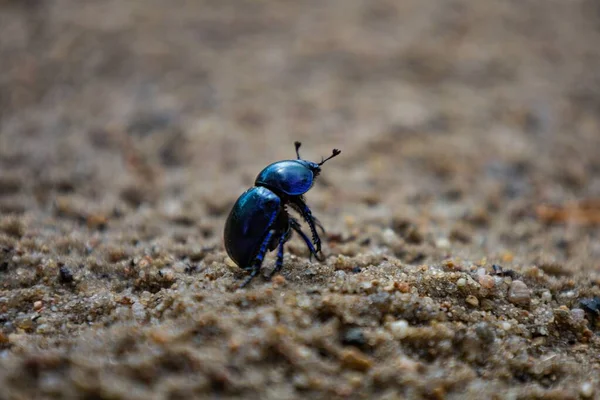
297, 145
334, 153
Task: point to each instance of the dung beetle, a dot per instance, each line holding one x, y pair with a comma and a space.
259, 220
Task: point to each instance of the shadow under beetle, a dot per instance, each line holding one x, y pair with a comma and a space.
259, 221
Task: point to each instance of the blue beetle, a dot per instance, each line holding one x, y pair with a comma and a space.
259, 221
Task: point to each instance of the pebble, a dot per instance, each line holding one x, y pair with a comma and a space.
577, 314
519, 293
38, 305
546, 296
400, 328
340, 274
487, 281
462, 282
389, 237
472, 300
586, 390
442, 243
180, 267
355, 359
279, 280
569, 294
65, 275
139, 312
354, 337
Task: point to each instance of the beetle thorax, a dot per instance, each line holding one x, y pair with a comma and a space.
289, 177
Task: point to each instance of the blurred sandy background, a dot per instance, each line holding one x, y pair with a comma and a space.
470, 133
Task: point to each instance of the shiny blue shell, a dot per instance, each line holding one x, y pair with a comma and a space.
248, 223
290, 177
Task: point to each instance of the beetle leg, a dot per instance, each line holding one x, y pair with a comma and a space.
257, 262
303, 209
279, 262
296, 227
319, 225
253, 273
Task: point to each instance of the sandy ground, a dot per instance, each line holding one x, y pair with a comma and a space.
463, 251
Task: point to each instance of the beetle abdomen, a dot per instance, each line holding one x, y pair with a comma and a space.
249, 221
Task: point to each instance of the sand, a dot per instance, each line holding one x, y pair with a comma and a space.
463, 215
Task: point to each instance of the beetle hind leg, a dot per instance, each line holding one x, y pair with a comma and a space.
253, 273
257, 262
279, 263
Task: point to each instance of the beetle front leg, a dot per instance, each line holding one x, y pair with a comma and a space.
296, 227
319, 225
257, 262
303, 209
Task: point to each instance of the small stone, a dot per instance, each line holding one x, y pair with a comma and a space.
354, 337
65, 275
472, 300
403, 287
569, 294
389, 237
180, 267
139, 312
38, 305
400, 329
519, 293
485, 332
507, 257
487, 304
546, 296
442, 243
355, 359
462, 282
97, 221
487, 281
340, 274
167, 274
577, 314
349, 220
160, 336
586, 390
279, 280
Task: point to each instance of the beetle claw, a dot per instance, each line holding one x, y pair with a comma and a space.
320, 257
319, 225
246, 282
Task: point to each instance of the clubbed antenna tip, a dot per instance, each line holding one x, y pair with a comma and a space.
334, 153
297, 145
